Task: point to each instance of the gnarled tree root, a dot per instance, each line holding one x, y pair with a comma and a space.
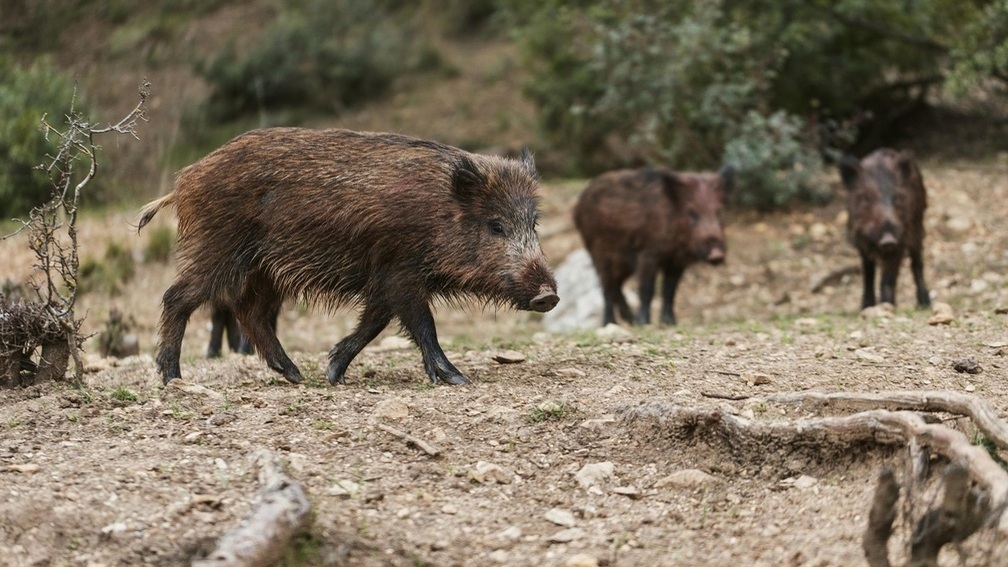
261, 538
964, 508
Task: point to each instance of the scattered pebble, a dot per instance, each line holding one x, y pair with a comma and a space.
392, 409
628, 491
755, 378
581, 560
967, 366
941, 314
880, 311
614, 333
560, 517
567, 536
491, 473
868, 354
345, 489
593, 473
686, 478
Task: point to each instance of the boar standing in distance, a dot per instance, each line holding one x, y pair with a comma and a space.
222, 321
640, 221
885, 219
334, 217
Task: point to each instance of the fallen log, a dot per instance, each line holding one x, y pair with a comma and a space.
280, 515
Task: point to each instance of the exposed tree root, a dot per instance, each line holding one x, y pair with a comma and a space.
977, 409
963, 510
262, 537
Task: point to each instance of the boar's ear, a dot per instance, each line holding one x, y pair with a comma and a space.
727, 177
850, 168
527, 161
905, 161
673, 185
467, 180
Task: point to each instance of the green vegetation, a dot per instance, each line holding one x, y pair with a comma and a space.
767, 86
160, 243
123, 394
110, 274
27, 93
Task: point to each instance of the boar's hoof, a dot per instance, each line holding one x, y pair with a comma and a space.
455, 379
336, 375
546, 300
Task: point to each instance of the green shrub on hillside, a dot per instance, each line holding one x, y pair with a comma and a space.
26, 94
321, 56
773, 164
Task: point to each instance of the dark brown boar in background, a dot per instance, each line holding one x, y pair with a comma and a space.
885, 220
223, 324
335, 217
642, 221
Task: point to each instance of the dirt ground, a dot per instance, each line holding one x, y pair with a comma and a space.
119, 470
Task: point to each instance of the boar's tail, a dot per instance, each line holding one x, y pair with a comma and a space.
150, 209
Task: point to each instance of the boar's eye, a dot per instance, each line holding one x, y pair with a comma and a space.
694, 217
497, 228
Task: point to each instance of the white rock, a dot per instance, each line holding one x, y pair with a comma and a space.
581, 560
941, 314
489, 472
391, 409
567, 536
560, 517
345, 488
614, 333
508, 357
868, 353
804, 482
593, 473
686, 478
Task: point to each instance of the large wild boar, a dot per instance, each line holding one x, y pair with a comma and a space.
334, 217
642, 221
885, 219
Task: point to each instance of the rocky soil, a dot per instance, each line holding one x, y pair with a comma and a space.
538, 462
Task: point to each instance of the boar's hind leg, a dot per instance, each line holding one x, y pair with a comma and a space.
671, 277
373, 320
416, 318
917, 267
179, 301
254, 310
868, 275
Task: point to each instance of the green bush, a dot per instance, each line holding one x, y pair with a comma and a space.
774, 166
625, 82
319, 55
26, 94
160, 243
110, 274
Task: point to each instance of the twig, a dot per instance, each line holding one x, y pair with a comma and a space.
423, 445
720, 396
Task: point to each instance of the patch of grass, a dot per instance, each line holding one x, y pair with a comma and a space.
549, 411
14, 423
293, 408
123, 394
988, 445
184, 414
73, 417
322, 425
306, 549
109, 274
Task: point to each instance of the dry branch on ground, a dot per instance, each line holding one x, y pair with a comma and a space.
262, 538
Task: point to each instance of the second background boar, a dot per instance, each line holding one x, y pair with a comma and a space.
642, 221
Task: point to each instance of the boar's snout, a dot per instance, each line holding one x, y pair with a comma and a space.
545, 300
716, 256
888, 242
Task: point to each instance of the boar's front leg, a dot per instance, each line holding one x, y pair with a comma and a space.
890, 271
917, 268
868, 275
373, 320
418, 321
671, 277
647, 273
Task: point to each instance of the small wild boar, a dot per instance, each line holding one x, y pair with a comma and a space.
885, 219
642, 221
222, 321
334, 217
